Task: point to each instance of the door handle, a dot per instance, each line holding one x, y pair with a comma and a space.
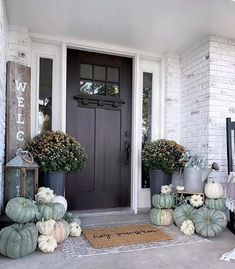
127, 149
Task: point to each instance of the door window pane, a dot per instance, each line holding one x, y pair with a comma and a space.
45, 94
113, 89
99, 73
86, 87
86, 71
113, 74
100, 88
146, 120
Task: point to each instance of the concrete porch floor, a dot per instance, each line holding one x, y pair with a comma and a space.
193, 256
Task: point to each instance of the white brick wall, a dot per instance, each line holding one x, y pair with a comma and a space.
172, 97
207, 98
221, 101
3, 40
194, 102
19, 45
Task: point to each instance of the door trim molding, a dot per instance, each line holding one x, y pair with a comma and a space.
136, 55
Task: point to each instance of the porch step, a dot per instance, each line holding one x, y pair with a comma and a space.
103, 212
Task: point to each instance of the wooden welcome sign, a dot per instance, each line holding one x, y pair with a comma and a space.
18, 94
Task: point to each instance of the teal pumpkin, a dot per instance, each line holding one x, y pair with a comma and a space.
161, 216
18, 240
182, 213
163, 201
69, 217
53, 211
21, 210
209, 222
216, 204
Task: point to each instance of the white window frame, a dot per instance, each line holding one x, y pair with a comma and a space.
152, 66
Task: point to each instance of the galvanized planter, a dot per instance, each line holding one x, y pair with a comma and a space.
193, 179
157, 179
55, 181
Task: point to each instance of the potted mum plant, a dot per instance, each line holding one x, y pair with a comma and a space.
56, 153
162, 157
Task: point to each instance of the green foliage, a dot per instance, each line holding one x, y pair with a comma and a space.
163, 155
18, 240
56, 151
193, 160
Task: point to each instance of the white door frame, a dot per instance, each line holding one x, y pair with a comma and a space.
136, 97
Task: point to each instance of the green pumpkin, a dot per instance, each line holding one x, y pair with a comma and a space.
69, 217
209, 222
216, 204
163, 201
18, 240
53, 211
161, 216
21, 210
182, 213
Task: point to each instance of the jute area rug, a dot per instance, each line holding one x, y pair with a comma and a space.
80, 246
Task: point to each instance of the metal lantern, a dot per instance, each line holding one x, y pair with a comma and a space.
21, 176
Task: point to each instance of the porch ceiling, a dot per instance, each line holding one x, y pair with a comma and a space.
154, 26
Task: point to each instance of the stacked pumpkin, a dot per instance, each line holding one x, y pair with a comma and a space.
162, 214
208, 220
52, 227
52, 223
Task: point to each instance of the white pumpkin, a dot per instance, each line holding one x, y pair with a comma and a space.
45, 227
61, 230
180, 188
196, 200
187, 227
44, 195
61, 200
75, 229
47, 243
214, 190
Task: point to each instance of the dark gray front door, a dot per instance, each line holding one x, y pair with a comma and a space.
99, 116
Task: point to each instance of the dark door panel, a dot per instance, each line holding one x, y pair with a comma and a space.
99, 116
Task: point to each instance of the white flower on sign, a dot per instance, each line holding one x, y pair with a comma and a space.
196, 200
166, 189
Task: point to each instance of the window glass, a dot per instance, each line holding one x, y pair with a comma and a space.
99, 73
86, 71
45, 94
113, 74
146, 120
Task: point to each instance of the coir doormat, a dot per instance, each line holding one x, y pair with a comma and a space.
124, 235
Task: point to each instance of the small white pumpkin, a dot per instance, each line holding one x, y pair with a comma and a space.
47, 243
214, 190
61, 200
75, 229
187, 227
44, 195
180, 188
45, 227
196, 200
61, 230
